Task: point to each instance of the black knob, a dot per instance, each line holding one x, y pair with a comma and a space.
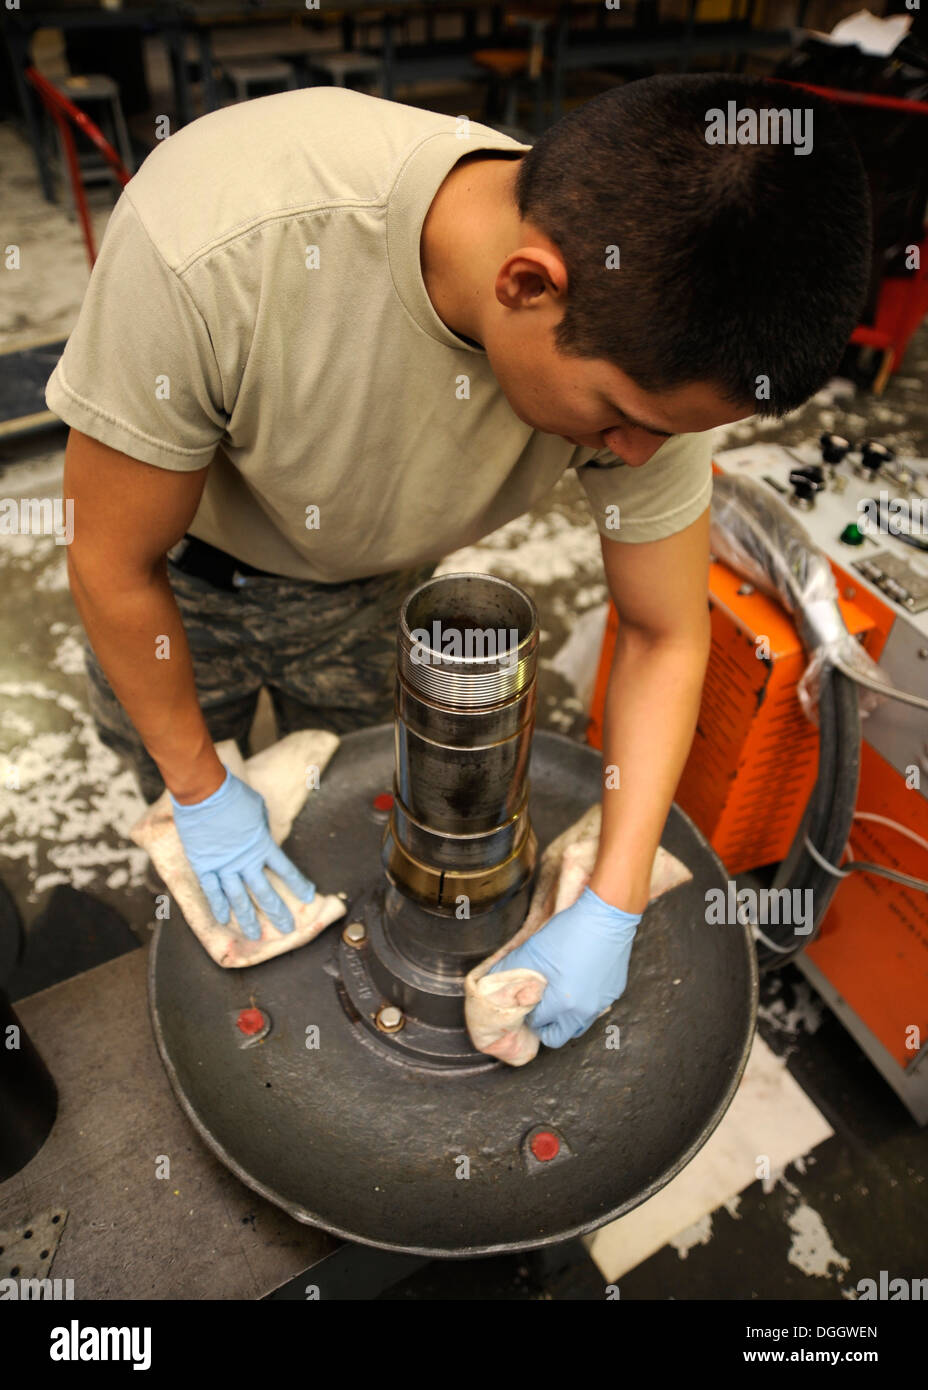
873, 455
834, 447
806, 482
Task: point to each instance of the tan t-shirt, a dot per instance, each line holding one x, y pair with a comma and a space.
258, 301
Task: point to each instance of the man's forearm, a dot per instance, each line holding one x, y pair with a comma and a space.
652, 703
127, 622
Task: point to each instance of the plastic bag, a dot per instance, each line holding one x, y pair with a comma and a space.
760, 538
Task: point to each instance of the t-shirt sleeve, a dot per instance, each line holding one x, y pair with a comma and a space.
139, 372
655, 500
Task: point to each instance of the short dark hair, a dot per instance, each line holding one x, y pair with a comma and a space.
737, 261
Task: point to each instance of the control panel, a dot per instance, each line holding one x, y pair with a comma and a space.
866, 509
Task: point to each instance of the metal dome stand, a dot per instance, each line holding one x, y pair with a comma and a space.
364, 1109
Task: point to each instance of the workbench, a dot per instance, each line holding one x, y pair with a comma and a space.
125, 1233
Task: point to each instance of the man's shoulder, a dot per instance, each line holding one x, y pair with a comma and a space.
233, 170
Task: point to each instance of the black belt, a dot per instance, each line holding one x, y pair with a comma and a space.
205, 561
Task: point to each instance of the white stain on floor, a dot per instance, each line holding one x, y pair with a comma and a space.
66, 803
811, 1248
700, 1233
803, 1015
532, 549
69, 653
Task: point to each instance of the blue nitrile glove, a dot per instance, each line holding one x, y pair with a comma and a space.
228, 842
583, 953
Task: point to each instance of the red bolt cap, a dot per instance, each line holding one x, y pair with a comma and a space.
545, 1145
250, 1021
383, 801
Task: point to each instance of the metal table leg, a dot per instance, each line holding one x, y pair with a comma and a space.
389, 58
210, 91
19, 53
174, 40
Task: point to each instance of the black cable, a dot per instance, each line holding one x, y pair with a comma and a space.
748, 522
827, 820
864, 866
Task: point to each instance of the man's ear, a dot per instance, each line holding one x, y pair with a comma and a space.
528, 276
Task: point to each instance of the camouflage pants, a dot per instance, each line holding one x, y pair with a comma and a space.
325, 652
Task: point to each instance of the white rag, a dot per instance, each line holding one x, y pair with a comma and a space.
495, 1005
279, 774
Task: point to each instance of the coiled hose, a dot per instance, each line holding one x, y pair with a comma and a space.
757, 535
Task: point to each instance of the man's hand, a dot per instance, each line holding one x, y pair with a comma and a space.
583, 953
228, 842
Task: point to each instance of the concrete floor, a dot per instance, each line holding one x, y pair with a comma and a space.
826, 1218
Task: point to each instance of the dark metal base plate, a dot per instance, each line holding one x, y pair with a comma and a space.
342, 1136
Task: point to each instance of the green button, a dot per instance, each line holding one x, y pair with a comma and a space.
851, 535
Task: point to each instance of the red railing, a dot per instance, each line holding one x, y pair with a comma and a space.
63, 112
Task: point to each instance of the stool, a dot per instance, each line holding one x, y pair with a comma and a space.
48, 53
537, 21
505, 66
81, 87
342, 65
85, 89
259, 72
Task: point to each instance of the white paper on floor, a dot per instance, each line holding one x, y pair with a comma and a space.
770, 1115
578, 659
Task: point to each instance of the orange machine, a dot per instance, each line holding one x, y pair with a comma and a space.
753, 764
